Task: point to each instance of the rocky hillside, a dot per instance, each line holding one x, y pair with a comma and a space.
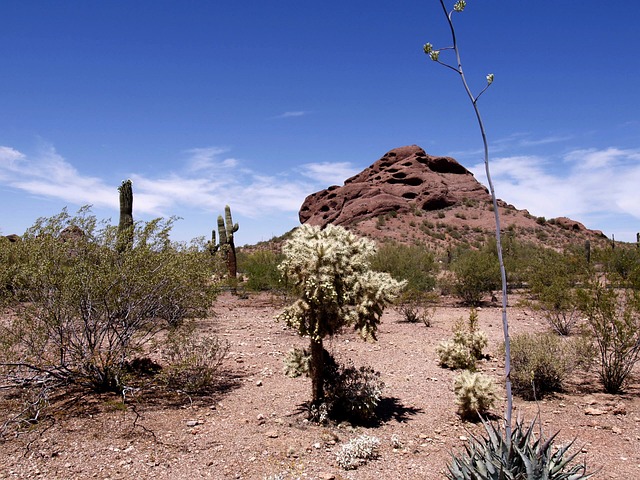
410, 196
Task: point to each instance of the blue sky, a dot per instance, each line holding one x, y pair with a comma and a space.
257, 104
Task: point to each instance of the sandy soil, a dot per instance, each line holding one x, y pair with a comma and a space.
252, 429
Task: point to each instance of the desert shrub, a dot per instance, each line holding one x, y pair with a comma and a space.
498, 455
623, 265
412, 263
541, 363
477, 273
193, 361
87, 308
416, 308
475, 394
552, 280
261, 268
466, 346
350, 393
9, 266
613, 316
357, 452
354, 394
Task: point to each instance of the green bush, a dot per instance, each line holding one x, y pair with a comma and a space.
477, 273
416, 307
613, 316
86, 309
623, 263
552, 279
412, 263
261, 268
10, 260
541, 363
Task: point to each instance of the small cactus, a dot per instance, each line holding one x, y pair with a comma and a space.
466, 346
475, 394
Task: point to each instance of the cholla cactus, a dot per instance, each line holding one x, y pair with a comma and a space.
466, 346
357, 452
330, 270
475, 394
296, 363
455, 355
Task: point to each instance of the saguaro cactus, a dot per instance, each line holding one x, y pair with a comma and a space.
587, 250
226, 229
125, 227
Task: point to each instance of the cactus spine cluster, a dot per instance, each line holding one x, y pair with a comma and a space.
226, 229
125, 226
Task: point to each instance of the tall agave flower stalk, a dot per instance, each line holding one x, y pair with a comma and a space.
434, 54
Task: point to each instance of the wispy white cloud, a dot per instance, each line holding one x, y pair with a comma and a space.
208, 181
515, 141
328, 173
48, 174
291, 114
582, 184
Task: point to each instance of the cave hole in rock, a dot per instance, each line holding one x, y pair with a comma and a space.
446, 165
436, 204
411, 181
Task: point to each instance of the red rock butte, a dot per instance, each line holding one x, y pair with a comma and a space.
402, 194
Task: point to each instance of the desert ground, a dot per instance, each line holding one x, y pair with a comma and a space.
252, 426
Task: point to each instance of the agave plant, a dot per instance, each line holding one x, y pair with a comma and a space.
520, 457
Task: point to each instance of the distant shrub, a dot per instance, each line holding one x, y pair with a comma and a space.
475, 394
415, 310
552, 280
261, 268
412, 263
623, 263
541, 363
477, 273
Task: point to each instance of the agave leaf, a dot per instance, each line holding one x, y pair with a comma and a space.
528, 465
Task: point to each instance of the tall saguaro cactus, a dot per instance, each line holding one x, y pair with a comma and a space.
226, 229
125, 226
